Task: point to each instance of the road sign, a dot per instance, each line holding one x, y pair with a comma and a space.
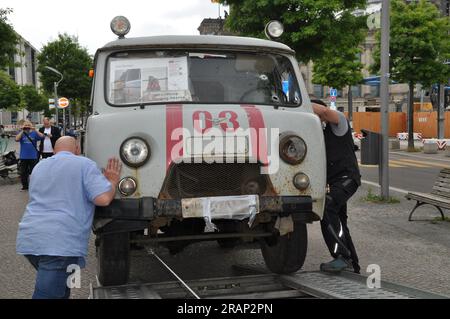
51, 104
333, 92
63, 103
374, 21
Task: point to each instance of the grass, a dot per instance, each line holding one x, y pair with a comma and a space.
371, 197
439, 219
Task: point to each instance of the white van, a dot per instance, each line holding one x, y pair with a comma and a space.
218, 141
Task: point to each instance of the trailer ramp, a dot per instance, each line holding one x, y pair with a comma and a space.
309, 284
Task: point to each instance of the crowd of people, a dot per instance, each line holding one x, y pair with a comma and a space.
34, 145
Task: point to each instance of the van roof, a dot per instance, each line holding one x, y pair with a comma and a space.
197, 41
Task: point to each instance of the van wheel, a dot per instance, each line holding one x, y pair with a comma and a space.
113, 258
286, 254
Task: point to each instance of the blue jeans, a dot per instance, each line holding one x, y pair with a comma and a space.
51, 278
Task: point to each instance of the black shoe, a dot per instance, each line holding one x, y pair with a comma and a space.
24, 188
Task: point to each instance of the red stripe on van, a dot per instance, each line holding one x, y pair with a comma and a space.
259, 142
174, 120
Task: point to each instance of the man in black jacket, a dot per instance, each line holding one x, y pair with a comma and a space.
51, 133
343, 179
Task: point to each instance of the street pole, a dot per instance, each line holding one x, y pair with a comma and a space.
55, 87
441, 109
64, 121
350, 105
384, 87
55, 92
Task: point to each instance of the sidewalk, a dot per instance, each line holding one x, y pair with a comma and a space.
412, 253
418, 145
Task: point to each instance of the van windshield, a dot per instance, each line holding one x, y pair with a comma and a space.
200, 77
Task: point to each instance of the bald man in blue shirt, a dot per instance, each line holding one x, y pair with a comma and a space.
54, 232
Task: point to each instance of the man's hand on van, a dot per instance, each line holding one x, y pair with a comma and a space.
112, 174
112, 171
325, 114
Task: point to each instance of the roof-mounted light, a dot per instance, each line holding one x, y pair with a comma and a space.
120, 26
274, 29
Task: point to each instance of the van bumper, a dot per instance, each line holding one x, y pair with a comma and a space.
149, 208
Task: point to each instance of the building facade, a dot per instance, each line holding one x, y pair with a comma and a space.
23, 73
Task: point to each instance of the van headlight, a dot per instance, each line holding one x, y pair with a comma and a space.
134, 152
292, 149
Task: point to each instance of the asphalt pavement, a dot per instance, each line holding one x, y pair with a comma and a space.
408, 171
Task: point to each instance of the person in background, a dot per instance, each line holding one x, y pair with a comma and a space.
29, 154
51, 133
343, 179
55, 228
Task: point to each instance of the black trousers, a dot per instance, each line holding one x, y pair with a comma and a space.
334, 222
26, 167
46, 155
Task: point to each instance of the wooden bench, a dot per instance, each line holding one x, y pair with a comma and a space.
439, 196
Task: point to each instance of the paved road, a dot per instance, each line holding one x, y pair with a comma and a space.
410, 171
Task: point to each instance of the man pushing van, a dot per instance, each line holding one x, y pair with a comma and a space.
54, 231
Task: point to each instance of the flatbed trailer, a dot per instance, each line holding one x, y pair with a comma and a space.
262, 285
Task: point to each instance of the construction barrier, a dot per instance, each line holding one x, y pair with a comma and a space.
425, 123
371, 121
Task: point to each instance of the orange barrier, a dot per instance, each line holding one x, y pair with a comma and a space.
371, 121
424, 122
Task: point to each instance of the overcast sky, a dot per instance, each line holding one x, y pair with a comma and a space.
40, 21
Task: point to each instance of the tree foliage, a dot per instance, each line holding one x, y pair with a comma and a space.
8, 39
338, 67
32, 100
9, 92
419, 44
67, 56
311, 26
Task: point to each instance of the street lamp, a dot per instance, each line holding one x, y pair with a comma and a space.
55, 91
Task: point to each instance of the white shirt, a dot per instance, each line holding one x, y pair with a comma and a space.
48, 148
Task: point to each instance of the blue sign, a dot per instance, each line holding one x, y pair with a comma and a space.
285, 87
333, 92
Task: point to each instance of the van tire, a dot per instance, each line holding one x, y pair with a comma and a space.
113, 258
286, 254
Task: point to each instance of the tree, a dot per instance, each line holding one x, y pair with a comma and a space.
8, 39
419, 45
33, 100
338, 68
9, 92
317, 30
311, 26
340, 65
67, 56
